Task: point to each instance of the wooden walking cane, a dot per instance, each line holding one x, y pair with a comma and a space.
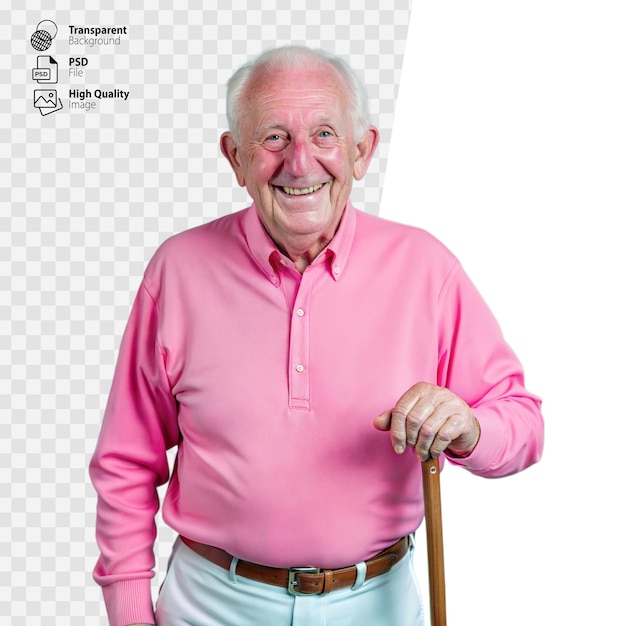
434, 540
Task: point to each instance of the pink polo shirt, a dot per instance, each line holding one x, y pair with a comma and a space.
269, 381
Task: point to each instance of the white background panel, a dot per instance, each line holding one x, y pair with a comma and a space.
509, 146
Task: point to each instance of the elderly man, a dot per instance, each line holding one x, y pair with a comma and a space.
275, 347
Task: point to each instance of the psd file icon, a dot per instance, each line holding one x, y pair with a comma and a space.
47, 70
47, 101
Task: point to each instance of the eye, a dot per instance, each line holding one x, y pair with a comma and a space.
325, 137
275, 142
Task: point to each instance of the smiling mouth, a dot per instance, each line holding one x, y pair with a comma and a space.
301, 191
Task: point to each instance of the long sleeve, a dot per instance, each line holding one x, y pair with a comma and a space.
217, 323
478, 365
139, 426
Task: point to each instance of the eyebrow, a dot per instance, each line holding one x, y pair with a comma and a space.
325, 121
271, 124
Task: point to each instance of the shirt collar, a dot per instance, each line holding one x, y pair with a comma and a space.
269, 258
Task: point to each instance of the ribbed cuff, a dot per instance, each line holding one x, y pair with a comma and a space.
489, 445
129, 602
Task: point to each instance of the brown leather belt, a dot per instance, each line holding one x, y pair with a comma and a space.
304, 580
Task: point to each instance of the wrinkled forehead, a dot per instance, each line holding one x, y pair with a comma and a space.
320, 91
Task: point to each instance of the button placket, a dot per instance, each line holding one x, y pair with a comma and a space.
299, 371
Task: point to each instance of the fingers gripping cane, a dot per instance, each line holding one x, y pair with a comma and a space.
434, 541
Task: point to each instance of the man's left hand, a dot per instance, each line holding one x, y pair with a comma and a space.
430, 419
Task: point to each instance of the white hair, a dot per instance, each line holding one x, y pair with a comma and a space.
297, 58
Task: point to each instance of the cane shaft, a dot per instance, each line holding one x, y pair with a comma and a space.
434, 540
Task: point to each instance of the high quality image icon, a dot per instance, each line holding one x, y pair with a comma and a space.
47, 101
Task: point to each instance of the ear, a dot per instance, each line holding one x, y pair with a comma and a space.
365, 151
231, 151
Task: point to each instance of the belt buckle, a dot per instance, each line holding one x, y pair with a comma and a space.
293, 582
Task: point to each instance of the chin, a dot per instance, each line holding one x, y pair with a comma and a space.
304, 226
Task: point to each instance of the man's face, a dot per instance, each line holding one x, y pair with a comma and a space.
298, 156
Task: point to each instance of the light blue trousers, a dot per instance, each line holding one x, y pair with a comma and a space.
196, 592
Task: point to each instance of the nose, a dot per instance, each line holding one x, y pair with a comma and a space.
299, 156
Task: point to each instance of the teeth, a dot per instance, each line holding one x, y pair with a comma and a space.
292, 191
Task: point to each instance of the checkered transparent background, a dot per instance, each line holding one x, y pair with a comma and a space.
85, 198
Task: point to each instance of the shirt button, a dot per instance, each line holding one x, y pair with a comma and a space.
299, 368
300, 312
336, 270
